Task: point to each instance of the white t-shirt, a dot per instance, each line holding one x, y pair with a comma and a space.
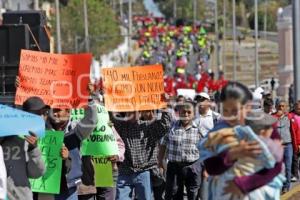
206, 122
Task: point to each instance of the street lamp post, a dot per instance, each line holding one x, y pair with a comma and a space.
265, 19
121, 9
86, 27
130, 28
58, 31
36, 4
296, 49
224, 35
234, 39
256, 47
194, 11
175, 9
217, 36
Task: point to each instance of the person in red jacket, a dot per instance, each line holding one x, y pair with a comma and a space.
295, 131
169, 86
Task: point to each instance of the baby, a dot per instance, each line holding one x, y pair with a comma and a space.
259, 128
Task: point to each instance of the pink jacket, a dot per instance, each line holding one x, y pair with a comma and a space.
121, 145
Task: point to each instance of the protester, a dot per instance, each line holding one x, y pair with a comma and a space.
236, 104
22, 157
288, 135
268, 105
75, 132
3, 177
272, 152
88, 191
295, 128
180, 145
206, 118
140, 138
157, 176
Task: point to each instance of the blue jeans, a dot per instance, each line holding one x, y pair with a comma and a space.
70, 195
140, 182
288, 158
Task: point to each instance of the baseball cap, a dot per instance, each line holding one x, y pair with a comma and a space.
259, 120
34, 104
202, 96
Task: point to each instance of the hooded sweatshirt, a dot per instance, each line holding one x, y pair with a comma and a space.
21, 164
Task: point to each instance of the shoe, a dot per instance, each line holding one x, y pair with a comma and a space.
284, 190
294, 179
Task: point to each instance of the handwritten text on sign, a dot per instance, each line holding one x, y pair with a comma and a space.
60, 80
50, 146
133, 88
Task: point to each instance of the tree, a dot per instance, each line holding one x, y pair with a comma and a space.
184, 9
271, 16
104, 29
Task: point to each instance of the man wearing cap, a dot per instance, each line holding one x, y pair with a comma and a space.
205, 122
206, 118
22, 157
75, 132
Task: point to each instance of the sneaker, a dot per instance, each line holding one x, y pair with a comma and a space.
294, 179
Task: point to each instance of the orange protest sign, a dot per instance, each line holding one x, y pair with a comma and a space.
60, 80
133, 88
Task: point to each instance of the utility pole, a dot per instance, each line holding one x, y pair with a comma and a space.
58, 31
36, 5
130, 28
86, 27
234, 39
265, 19
174, 9
121, 9
224, 35
217, 35
195, 11
296, 47
256, 47
8, 5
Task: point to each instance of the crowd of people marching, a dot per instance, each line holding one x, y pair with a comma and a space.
183, 50
188, 148
196, 148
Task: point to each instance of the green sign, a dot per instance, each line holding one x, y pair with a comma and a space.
103, 172
77, 114
102, 141
50, 146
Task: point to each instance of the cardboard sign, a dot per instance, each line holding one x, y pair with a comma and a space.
187, 93
133, 88
17, 122
60, 80
50, 146
102, 141
103, 172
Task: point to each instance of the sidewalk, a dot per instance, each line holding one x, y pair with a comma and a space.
293, 194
